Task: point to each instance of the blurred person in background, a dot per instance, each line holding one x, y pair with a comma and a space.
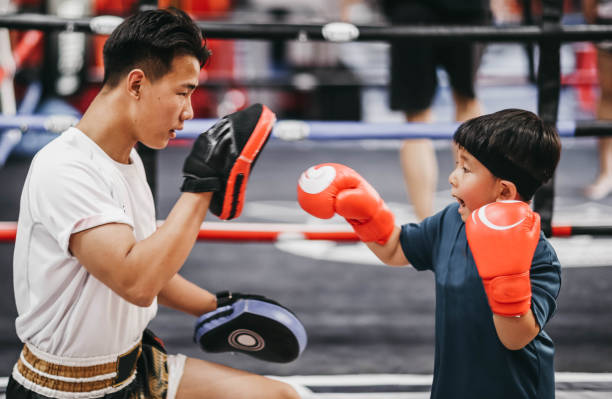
600, 12
413, 80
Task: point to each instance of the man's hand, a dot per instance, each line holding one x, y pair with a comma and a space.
222, 157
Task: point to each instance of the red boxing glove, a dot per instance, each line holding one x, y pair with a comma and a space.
503, 237
330, 188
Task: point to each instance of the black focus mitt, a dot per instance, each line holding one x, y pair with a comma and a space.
251, 324
222, 157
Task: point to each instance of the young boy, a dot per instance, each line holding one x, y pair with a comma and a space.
91, 265
497, 277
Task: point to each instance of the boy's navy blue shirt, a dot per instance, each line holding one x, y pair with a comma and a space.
470, 361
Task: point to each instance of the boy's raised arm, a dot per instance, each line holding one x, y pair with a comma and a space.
391, 252
327, 189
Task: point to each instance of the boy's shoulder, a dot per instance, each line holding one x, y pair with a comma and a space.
445, 223
449, 216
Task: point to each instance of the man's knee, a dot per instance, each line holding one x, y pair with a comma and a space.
285, 391
466, 107
422, 115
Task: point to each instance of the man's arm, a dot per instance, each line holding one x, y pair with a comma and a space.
138, 270
181, 294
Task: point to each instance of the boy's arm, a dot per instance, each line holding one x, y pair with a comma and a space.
391, 252
516, 332
138, 270
545, 283
327, 189
503, 237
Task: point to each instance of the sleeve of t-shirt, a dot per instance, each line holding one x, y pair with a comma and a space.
418, 241
68, 197
545, 275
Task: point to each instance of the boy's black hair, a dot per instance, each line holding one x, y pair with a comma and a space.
515, 145
150, 40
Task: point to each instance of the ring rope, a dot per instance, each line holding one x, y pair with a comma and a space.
334, 31
314, 130
550, 34
272, 232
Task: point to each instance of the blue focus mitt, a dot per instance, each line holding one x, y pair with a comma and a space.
251, 324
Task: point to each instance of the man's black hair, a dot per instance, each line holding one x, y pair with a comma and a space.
150, 40
515, 145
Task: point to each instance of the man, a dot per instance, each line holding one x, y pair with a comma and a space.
90, 264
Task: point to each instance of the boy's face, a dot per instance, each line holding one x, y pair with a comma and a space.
472, 184
166, 102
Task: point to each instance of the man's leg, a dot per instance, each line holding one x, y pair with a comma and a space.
206, 380
420, 168
466, 107
413, 83
418, 156
603, 183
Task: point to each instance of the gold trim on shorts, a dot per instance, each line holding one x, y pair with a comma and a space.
64, 378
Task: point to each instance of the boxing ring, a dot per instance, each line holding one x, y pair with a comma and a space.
295, 130
549, 35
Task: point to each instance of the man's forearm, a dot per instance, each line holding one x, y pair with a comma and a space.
185, 296
159, 257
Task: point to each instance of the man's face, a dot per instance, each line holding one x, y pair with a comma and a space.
472, 184
166, 103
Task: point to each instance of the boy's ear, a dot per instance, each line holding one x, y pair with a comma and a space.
508, 191
134, 82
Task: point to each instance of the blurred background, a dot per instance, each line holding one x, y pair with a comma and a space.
360, 317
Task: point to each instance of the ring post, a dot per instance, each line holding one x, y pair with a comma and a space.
549, 85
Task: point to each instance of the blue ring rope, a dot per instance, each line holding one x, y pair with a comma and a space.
310, 130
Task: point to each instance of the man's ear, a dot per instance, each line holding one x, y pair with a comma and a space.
134, 81
508, 191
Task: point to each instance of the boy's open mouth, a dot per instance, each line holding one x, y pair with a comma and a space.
461, 203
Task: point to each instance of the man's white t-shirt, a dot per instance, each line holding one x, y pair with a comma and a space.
63, 310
